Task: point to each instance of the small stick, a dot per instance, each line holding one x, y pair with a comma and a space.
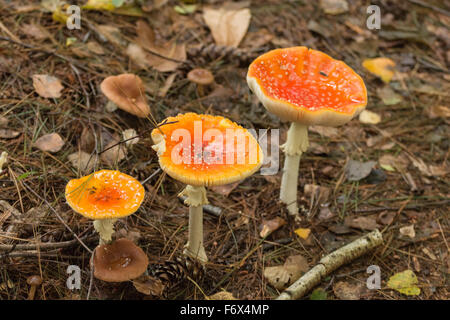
33, 246
215, 211
330, 263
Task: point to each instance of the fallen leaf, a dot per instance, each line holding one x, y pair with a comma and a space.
386, 217
47, 86
438, 111
346, 291
329, 132
388, 96
392, 163
8, 134
369, 117
363, 223
303, 233
334, 7
381, 67
34, 31
356, 170
408, 231
317, 193
96, 48
222, 295
83, 161
325, 213
430, 171
228, 25
128, 136
176, 52
114, 152
225, 189
429, 254
405, 282
284, 275
3, 122
112, 34
51, 142
269, 226
149, 285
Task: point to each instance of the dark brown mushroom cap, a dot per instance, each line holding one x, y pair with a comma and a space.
127, 92
201, 76
119, 261
34, 280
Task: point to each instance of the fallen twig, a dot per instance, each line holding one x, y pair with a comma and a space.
330, 263
215, 211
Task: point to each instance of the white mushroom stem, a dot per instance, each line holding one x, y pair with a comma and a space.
296, 144
105, 228
196, 198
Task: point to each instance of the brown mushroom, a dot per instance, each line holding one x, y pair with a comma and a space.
34, 281
127, 92
202, 78
119, 261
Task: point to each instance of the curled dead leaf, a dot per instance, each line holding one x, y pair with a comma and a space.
47, 86
51, 142
282, 276
269, 226
228, 25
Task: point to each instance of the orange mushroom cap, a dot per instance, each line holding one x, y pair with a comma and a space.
119, 261
307, 86
105, 194
206, 150
127, 92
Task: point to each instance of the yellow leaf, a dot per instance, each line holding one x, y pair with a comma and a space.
381, 67
404, 282
106, 5
59, 16
303, 233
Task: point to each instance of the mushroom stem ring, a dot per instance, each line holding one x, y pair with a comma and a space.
105, 229
196, 198
296, 144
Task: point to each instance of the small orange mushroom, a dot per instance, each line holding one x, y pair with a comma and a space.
204, 150
119, 261
305, 87
105, 196
127, 92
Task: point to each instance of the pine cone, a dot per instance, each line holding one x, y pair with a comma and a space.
172, 272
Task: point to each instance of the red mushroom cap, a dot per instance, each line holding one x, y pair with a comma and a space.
307, 86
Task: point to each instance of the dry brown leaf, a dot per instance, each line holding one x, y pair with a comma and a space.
438, 112
334, 7
363, 223
369, 117
399, 162
282, 276
225, 189
128, 136
34, 31
228, 25
115, 152
329, 132
222, 295
430, 171
408, 231
8, 134
82, 161
269, 226
3, 122
112, 34
346, 291
51, 142
96, 48
146, 40
149, 285
47, 86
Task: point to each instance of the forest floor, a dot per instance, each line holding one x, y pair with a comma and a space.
404, 192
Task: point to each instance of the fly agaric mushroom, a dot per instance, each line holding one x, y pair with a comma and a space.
202, 78
213, 151
105, 196
306, 87
127, 92
119, 261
